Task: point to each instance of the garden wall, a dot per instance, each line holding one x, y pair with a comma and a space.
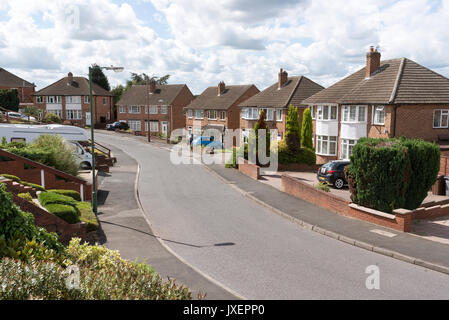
249, 169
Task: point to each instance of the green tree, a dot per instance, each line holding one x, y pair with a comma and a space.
99, 77
31, 111
142, 79
9, 99
118, 92
307, 130
293, 130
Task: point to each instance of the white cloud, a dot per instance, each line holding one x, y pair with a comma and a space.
213, 40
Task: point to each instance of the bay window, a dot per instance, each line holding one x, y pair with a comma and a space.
134, 109
354, 114
326, 145
327, 113
134, 125
379, 115
199, 114
72, 114
212, 114
73, 99
440, 118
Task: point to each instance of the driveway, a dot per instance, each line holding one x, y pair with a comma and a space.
252, 251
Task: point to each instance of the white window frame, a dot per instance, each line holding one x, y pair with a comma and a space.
40, 99
321, 111
222, 115
346, 114
199, 114
57, 112
320, 140
269, 114
154, 126
73, 99
153, 110
245, 113
135, 125
279, 115
313, 111
105, 101
347, 143
134, 110
73, 114
122, 109
443, 113
212, 114
190, 113
375, 110
164, 109
86, 99
253, 114
54, 99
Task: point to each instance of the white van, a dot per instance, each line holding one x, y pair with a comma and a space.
29, 133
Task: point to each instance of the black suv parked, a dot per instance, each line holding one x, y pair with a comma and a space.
333, 173
117, 126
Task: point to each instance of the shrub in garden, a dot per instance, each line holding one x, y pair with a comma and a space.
34, 186
304, 155
17, 228
67, 213
46, 198
307, 130
11, 177
293, 130
51, 118
386, 174
26, 196
69, 193
87, 215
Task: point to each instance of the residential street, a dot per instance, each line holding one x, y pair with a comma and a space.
251, 250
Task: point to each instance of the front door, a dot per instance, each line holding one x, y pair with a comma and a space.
164, 128
88, 119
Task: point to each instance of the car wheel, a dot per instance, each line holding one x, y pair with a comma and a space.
339, 183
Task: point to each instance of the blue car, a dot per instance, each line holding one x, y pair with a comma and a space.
207, 142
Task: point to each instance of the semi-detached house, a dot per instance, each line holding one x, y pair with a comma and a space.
385, 99
275, 100
69, 98
155, 108
25, 89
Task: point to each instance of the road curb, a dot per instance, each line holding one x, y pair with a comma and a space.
334, 235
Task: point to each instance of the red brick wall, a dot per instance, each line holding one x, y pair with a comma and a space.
251, 170
25, 93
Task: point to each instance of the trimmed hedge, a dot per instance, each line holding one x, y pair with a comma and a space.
34, 186
69, 193
387, 174
66, 212
285, 156
87, 215
13, 178
46, 198
26, 196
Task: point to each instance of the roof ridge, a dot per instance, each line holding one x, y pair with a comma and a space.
294, 91
397, 81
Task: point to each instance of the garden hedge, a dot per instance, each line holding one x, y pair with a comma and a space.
66, 212
69, 193
387, 174
46, 198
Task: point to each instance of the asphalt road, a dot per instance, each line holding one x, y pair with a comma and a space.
253, 251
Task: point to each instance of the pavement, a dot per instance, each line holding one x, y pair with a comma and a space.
225, 234
403, 246
123, 227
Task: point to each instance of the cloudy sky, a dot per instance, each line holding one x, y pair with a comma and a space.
201, 42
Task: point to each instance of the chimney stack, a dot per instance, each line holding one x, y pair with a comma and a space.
70, 78
282, 78
221, 87
372, 61
152, 85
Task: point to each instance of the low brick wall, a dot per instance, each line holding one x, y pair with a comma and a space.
249, 169
52, 223
401, 220
304, 191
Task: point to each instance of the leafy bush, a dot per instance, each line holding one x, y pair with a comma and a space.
11, 177
17, 228
66, 212
386, 174
323, 186
34, 186
26, 196
307, 130
69, 193
51, 118
87, 215
285, 156
293, 130
46, 198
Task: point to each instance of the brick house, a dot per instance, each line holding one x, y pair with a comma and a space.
390, 98
217, 107
158, 108
69, 99
25, 89
275, 100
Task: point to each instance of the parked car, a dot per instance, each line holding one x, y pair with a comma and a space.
333, 173
26, 118
117, 126
15, 115
209, 142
